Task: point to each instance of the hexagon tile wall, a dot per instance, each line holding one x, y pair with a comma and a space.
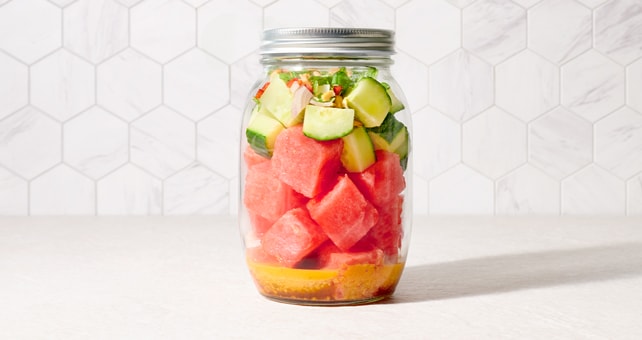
132, 107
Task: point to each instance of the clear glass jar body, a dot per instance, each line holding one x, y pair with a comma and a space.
325, 208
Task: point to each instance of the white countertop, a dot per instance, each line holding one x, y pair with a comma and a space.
185, 278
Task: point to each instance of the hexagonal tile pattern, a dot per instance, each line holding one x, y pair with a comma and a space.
30, 30
196, 84
559, 29
62, 85
439, 147
439, 24
362, 13
96, 143
560, 143
196, 3
591, 3
634, 85
14, 197
129, 191
163, 29
162, 142
592, 85
95, 29
128, 3
216, 131
618, 143
62, 191
195, 190
461, 3
593, 189
419, 196
461, 191
244, 75
129, 85
527, 190
527, 85
527, 3
14, 85
618, 29
30, 142
634, 196
461, 85
494, 143
220, 19
289, 13
412, 76
494, 29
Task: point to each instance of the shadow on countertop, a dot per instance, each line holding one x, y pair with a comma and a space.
513, 272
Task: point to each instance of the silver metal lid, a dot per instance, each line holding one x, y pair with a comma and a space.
328, 41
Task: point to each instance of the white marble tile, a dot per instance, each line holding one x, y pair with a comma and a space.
634, 196
527, 85
392, 3
244, 77
560, 143
592, 191
129, 191
419, 195
461, 191
494, 29
195, 190
412, 76
362, 13
14, 85
494, 143
62, 191
618, 143
62, 85
559, 29
220, 20
461, 3
218, 137
527, 191
592, 85
234, 195
14, 198
592, 3
461, 85
30, 30
162, 29
128, 3
196, 84
294, 13
436, 143
95, 29
618, 30
96, 142
634, 85
62, 3
162, 142
129, 85
196, 3
439, 24
30, 142
264, 3
527, 3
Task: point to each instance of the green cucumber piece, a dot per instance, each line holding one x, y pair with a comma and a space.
326, 123
278, 100
262, 131
392, 136
395, 104
358, 152
370, 102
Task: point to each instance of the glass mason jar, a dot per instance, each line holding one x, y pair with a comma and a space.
325, 168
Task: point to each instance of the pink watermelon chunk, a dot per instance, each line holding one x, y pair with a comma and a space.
252, 158
259, 224
331, 257
343, 213
266, 196
292, 237
382, 182
307, 165
388, 232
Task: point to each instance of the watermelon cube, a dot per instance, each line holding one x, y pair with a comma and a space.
343, 213
331, 257
305, 164
266, 196
259, 224
292, 237
252, 158
388, 231
382, 182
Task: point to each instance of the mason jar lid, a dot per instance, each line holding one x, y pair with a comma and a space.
327, 41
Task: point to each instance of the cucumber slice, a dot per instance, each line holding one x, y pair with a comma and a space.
358, 152
278, 100
326, 123
395, 104
391, 136
262, 131
370, 102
